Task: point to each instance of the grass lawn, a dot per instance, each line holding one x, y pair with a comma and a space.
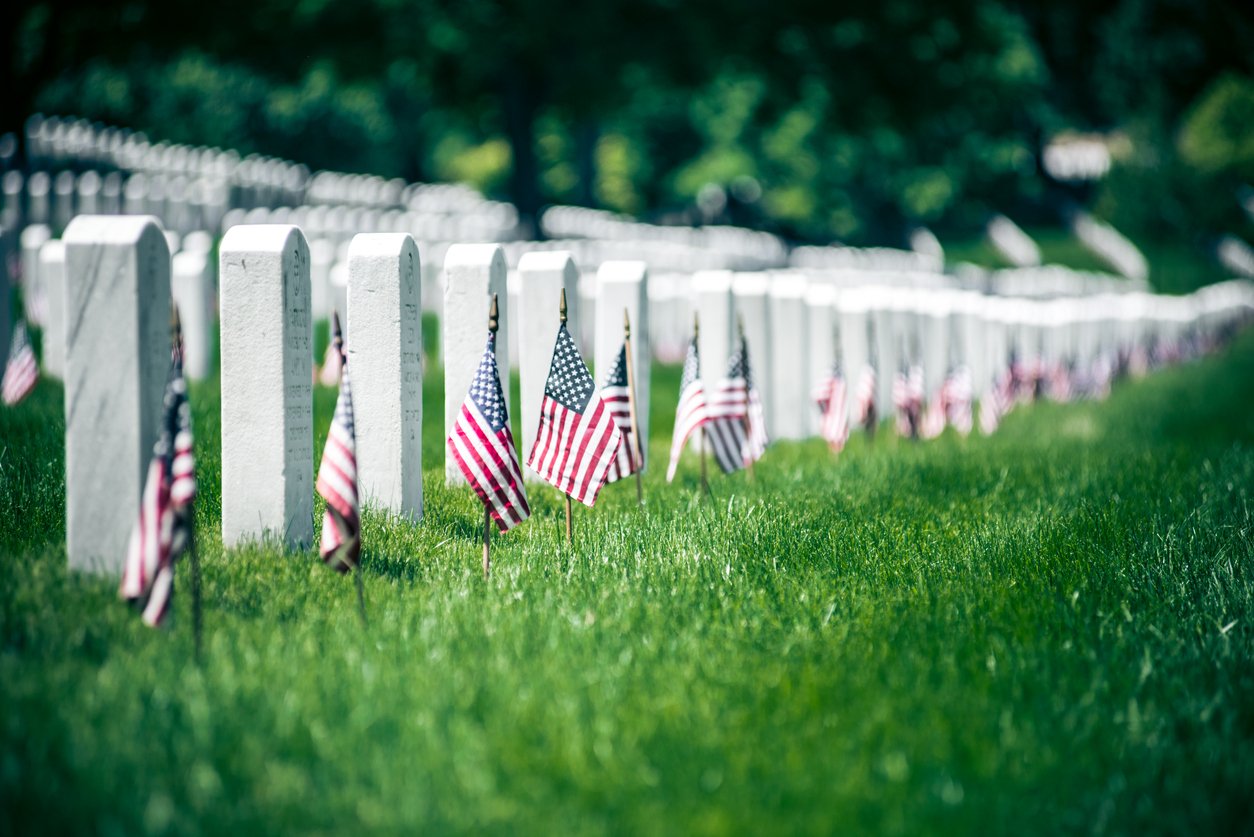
1048, 630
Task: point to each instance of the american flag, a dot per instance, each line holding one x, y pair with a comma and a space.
1060, 382
755, 444
578, 438
691, 413
831, 395
958, 392
22, 371
616, 396
332, 362
997, 401
163, 530
728, 412
483, 447
867, 415
908, 400
337, 479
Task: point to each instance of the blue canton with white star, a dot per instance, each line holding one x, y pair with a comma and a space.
569, 383
485, 390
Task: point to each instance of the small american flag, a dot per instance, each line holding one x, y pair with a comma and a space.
831, 395
617, 397
908, 400
337, 479
22, 371
691, 413
755, 444
958, 393
578, 438
867, 414
728, 410
163, 530
997, 401
332, 362
483, 447
1060, 382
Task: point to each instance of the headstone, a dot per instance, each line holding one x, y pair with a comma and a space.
712, 300
753, 308
625, 284
117, 359
37, 198
790, 375
856, 350
472, 274
823, 346
198, 241
385, 358
135, 195
321, 257
12, 217
33, 238
195, 295
63, 191
337, 286
6, 294
88, 188
111, 194
542, 276
52, 282
267, 391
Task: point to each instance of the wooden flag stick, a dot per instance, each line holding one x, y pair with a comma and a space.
634, 448
493, 324
570, 537
740, 326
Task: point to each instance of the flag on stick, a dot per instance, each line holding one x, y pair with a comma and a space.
578, 437
756, 439
867, 416
163, 531
22, 371
908, 400
728, 427
831, 396
691, 413
337, 476
957, 393
617, 398
483, 447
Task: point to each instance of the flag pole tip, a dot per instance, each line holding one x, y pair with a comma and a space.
561, 307
494, 316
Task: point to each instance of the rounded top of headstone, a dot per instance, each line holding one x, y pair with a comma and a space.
623, 271
788, 286
712, 281
269, 238
548, 261
820, 295
197, 241
190, 262
481, 256
113, 229
750, 284
34, 235
39, 183
53, 250
377, 245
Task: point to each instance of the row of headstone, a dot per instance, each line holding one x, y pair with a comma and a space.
1015, 245
1112, 247
117, 347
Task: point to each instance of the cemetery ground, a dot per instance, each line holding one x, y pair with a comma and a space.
1045, 630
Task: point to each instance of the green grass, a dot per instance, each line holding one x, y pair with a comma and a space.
1045, 631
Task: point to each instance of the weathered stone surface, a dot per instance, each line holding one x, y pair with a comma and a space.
385, 356
267, 391
117, 339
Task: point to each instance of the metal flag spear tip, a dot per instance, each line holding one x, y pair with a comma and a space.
634, 442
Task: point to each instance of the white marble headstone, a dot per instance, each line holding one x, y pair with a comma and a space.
32, 239
472, 274
542, 276
52, 284
385, 359
267, 389
712, 300
196, 295
117, 314
753, 308
823, 344
790, 376
625, 285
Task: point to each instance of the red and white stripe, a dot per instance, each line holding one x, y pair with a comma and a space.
574, 450
22, 371
337, 484
692, 412
490, 464
835, 425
